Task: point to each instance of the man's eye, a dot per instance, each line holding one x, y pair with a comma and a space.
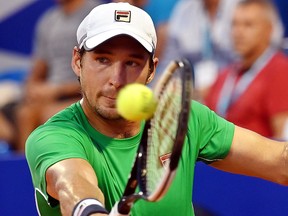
132, 63
102, 60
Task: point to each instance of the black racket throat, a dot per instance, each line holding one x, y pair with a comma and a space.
136, 178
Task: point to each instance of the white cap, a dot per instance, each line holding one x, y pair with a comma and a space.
108, 20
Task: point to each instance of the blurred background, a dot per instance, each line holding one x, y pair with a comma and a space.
219, 193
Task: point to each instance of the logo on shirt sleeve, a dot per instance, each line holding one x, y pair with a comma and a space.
165, 160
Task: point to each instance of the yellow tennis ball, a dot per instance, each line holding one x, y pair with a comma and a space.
136, 102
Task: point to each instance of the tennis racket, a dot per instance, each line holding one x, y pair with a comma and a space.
162, 139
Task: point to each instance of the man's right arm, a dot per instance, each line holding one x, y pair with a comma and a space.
70, 181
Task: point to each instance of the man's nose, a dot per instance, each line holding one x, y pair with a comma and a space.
118, 76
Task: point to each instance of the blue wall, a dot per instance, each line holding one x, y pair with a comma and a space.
222, 193
17, 194
233, 195
17, 29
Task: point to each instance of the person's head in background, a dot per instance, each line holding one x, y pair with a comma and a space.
256, 26
137, 3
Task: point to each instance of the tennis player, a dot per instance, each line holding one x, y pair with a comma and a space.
80, 159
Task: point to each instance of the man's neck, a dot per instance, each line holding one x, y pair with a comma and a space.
119, 129
249, 60
115, 128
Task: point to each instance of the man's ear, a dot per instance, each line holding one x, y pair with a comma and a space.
150, 75
152, 70
76, 61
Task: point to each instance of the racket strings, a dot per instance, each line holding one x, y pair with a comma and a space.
163, 131
166, 127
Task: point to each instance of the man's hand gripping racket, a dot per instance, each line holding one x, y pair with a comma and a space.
162, 139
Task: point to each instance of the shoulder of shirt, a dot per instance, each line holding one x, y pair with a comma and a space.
278, 63
66, 120
68, 116
281, 56
197, 106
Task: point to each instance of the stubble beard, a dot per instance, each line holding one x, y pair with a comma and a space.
102, 111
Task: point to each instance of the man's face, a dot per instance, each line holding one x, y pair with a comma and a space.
251, 29
110, 66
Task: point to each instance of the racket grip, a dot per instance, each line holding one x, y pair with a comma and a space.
114, 211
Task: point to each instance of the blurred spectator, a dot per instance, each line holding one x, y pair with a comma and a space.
160, 13
6, 132
199, 31
252, 93
51, 85
11, 82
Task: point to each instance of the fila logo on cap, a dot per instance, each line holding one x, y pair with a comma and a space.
122, 16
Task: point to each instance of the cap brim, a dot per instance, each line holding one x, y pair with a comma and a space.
97, 39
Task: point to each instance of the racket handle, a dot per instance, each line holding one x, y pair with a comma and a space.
114, 211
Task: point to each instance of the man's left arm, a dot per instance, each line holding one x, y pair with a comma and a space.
254, 155
279, 125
